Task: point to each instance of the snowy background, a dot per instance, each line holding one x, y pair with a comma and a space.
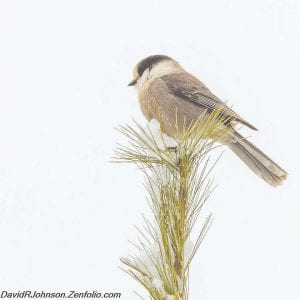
66, 213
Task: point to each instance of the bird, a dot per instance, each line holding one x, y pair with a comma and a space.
170, 94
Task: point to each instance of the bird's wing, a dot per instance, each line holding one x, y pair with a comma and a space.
189, 88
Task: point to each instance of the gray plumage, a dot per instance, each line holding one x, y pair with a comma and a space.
189, 88
166, 90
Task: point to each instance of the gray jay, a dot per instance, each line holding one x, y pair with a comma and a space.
170, 94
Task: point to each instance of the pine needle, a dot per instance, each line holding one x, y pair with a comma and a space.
178, 183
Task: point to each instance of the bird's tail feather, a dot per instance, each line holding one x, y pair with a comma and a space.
257, 161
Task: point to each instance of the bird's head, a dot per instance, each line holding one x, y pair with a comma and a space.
152, 67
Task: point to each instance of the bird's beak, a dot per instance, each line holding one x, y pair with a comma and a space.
132, 82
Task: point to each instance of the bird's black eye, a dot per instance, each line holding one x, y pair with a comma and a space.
143, 65
149, 61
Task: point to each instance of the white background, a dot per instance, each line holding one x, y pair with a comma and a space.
66, 213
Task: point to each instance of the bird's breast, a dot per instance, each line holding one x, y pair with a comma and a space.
147, 100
